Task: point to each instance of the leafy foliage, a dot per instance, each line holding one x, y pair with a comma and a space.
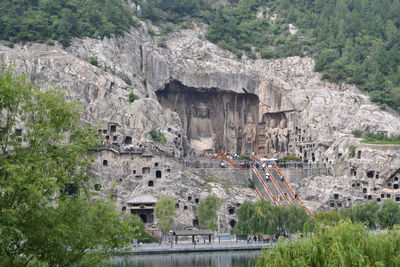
244, 157
377, 138
132, 97
352, 151
263, 218
93, 61
140, 233
208, 217
165, 213
369, 214
389, 214
156, 136
345, 244
290, 158
23, 20
47, 217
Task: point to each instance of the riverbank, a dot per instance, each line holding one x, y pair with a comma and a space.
147, 249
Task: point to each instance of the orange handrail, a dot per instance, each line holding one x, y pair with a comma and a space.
265, 186
222, 156
291, 190
276, 184
284, 180
258, 193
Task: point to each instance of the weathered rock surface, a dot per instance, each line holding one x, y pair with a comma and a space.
318, 116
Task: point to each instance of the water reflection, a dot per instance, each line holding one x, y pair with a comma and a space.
203, 259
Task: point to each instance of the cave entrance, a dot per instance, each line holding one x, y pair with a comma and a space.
143, 217
214, 120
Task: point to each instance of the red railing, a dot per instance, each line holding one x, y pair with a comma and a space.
291, 190
265, 186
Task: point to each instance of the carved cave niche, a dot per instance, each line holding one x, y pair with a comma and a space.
370, 174
276, 131
128, 140
214, 120
97, 187
113, 128
231, 210
364, 190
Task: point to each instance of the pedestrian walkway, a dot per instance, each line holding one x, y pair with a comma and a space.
199, 247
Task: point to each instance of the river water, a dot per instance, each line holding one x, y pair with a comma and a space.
199, 259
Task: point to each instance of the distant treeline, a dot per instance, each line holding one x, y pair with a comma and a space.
47, 20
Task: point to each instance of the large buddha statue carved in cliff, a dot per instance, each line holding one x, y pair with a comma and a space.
200, 129
273, 134
249, 134
283, 136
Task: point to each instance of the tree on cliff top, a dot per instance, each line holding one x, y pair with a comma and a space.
47, 217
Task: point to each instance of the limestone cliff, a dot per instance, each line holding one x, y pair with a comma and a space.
202, 98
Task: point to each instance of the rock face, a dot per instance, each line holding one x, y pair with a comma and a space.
201, 98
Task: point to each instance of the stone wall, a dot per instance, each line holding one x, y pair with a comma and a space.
302, 173
231, 177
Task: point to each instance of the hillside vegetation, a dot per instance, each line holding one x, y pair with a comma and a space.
47, 20
352, 41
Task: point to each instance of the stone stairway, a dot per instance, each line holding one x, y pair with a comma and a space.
262, 188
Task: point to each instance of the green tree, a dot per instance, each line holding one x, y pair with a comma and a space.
165, 213
263, 218
208, 217
389, 214
367, 214
47, 217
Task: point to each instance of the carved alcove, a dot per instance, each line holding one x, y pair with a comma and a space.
276, 133
214, 120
